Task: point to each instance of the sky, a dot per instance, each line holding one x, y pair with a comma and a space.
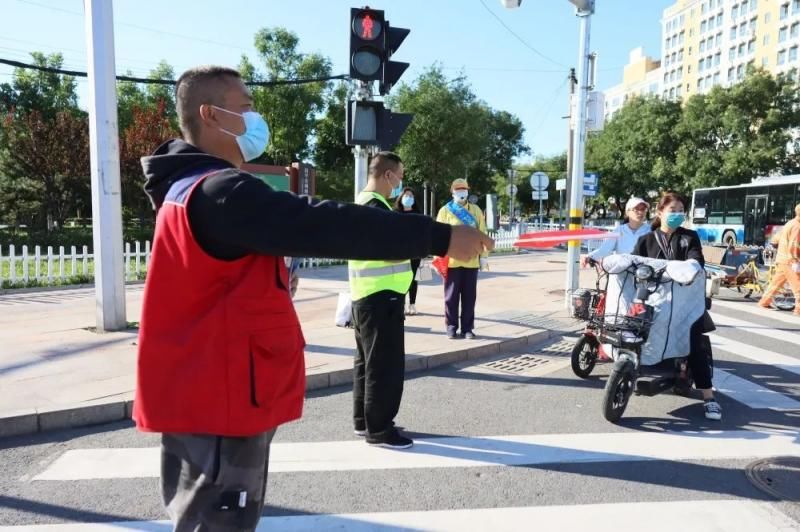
515, 60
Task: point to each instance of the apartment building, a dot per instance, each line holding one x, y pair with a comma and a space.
705, 43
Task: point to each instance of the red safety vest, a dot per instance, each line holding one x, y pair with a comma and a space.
220, 345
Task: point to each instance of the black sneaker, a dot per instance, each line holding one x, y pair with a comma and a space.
392, 440
713, 410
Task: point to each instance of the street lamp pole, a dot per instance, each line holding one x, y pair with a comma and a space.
584, 11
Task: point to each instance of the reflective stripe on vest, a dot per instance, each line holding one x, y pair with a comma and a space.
368, 277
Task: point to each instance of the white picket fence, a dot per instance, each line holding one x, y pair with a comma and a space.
21, 266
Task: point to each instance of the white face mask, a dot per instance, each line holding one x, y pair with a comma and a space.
460, 195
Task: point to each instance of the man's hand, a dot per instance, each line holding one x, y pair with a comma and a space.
293, 282
484, 264
467, 243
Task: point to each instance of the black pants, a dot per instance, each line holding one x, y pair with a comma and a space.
461, 286
379, 368
700, 358
412, 291
214, 483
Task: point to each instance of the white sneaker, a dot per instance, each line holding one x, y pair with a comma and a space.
713, 410
412, 310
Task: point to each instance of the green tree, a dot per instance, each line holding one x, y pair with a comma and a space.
290, 110
635, 152
732, 135
332, 157
47, 93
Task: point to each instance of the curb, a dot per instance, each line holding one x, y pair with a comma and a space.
38, 420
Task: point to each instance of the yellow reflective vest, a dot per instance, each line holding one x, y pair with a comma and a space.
368, 277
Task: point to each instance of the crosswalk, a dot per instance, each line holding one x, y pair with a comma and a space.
757, 375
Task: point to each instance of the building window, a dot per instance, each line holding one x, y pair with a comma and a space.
783, 33
795, 31
701, 65
703, 8
782, 57
784, 11
718, 40
680, 74
767, 18
734, 12
751, 47
681, 36
766, 39
741, 50
744, 8
666, 94
753, 22
742, 29
719, 20
740, 72
678, 91
732, 54
795, 6
753, 5
731, 72
793, 53
672, 92
702, 46
733, 33
703, 26
700, 84
716, 79
764, 62
717, 58
666, 78
680, 54
666, 61
688, 69
672, 76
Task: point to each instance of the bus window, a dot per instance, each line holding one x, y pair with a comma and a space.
781, 204
701, 207
716, 214
734, 201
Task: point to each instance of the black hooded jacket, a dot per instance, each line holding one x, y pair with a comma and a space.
233, 214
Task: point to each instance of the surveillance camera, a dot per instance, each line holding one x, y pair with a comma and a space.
510, 4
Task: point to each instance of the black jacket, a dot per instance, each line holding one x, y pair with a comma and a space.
233, 214
684, 244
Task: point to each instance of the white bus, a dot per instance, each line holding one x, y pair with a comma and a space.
744, 214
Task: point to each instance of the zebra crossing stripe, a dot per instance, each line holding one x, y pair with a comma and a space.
751, 394
790, 337
694, 516
88, 464
758, 354
785, 317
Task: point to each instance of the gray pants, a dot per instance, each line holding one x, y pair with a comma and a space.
214, 483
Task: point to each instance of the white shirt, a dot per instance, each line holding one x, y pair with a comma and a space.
624, 244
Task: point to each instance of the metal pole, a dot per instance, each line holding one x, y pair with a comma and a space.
425, 199
576, 186
361, 153
109, 268
573, 81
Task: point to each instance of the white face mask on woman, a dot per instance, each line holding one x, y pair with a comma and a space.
460, 195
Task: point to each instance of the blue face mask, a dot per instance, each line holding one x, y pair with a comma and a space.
675, 219
407, 201
255, 138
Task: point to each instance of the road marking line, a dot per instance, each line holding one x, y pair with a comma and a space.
752, 394
757, 354
750, 308
761, 330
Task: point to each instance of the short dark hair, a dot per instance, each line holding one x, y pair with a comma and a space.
382, 161
198, 86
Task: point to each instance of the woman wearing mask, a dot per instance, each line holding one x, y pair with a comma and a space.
406, 203
633, 228
670, 241
461, 285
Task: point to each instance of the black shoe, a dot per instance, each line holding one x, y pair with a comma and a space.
451, 333
392, 440
469, 335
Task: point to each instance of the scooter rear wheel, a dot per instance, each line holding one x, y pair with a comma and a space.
584, 357
619, 387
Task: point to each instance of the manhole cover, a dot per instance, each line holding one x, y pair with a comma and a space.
517, 364
562, 348
780, 477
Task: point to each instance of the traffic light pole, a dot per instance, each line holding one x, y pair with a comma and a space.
360, 152
579, 149
109, 266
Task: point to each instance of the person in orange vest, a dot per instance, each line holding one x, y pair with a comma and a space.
461, 282
787, 263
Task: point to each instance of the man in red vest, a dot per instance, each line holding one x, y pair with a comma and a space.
220, 361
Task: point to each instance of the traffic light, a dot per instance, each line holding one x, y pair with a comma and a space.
371, 124
372, 43
366, 44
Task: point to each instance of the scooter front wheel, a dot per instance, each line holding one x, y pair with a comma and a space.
619, 387
584, 356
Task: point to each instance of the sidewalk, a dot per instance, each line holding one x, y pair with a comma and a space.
56, 373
